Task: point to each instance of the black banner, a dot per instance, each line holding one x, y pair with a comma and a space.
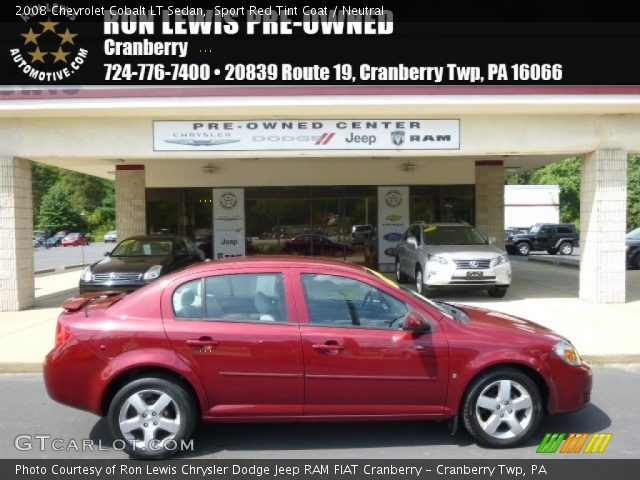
549, 469
484, 43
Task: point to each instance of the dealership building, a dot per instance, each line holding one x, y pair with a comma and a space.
248, 167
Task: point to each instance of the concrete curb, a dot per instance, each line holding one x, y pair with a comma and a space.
75, 265
30, 367
44, 270
558, 261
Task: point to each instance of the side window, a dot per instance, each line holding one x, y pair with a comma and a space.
341, 301
564, 231
246, 297
187, 300
546, 230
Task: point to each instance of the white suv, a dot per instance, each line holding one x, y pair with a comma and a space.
442, 255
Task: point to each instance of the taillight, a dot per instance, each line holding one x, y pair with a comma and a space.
62, 334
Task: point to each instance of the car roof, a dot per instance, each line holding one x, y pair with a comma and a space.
275, 261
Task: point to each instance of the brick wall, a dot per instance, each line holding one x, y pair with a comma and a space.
16, 234
130, 201
490, 199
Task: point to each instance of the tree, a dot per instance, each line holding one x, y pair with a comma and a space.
43, 177
57, 211
633, 192
566, 174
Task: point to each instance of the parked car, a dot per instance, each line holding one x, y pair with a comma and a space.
215, 342
111, 236
553, 237
632, 242
359, 233
302, 245
75, 239
451, 255
137, 261
56, 239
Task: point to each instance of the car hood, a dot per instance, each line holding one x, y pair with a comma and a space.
464, 252
493, 322
129, 264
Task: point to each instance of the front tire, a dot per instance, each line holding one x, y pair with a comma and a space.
502, 408
497, 292
400, 277
152, 416
419, 280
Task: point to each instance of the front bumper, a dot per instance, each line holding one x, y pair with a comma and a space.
127, 287
450, 276
571, 387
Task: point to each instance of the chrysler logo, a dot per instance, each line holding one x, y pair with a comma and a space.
473, 264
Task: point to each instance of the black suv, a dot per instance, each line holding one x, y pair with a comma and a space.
633, 248
552, 237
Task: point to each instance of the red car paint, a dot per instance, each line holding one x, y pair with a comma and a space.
74, 240
294, 370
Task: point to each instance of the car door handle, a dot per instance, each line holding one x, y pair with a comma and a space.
328, 347
202, 343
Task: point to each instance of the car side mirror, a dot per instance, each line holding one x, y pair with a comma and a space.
492, 240
415, 323
107, 254
412, 241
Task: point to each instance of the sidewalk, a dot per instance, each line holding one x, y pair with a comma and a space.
542, 293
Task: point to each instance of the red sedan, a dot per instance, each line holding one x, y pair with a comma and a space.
276, 339
75, 239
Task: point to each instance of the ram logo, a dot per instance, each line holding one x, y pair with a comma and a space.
390, 252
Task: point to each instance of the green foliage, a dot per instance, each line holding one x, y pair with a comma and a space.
633, 192
57, 212
63, 199
43, 177
566, 174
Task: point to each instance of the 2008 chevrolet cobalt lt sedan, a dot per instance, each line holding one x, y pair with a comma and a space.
278, 339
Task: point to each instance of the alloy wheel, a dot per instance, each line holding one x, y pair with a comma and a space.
504, 409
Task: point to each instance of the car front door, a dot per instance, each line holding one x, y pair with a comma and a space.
358, 360
545, 238
238, 332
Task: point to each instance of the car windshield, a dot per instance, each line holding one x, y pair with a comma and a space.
535, 228
634, 234
453, 235
143, 248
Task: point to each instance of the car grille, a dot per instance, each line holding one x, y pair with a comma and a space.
472, 264
120, 276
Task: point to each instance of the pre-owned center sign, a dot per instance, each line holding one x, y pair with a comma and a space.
317, 135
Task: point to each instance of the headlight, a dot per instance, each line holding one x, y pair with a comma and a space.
86, 274
152, 273
499, 260
568, 353
438, 259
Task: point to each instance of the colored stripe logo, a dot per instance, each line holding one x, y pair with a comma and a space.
574, 443
325, 138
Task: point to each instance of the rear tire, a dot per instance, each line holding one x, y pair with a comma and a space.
400, 277
565, 248
497, 292
502, 408
147, 428
523, 248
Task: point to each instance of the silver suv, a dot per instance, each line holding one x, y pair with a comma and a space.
439, 255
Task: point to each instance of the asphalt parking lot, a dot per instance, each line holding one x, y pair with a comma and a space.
59, 257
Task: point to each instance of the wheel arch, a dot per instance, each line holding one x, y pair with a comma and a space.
528, 370
158, 371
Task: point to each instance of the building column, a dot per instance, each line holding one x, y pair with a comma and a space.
16, 235
490, 199
131, 213
603, 217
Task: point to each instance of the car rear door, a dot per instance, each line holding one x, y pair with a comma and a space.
240, 336
373, 367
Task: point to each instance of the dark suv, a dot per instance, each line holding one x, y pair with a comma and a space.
552, 237
633, 248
